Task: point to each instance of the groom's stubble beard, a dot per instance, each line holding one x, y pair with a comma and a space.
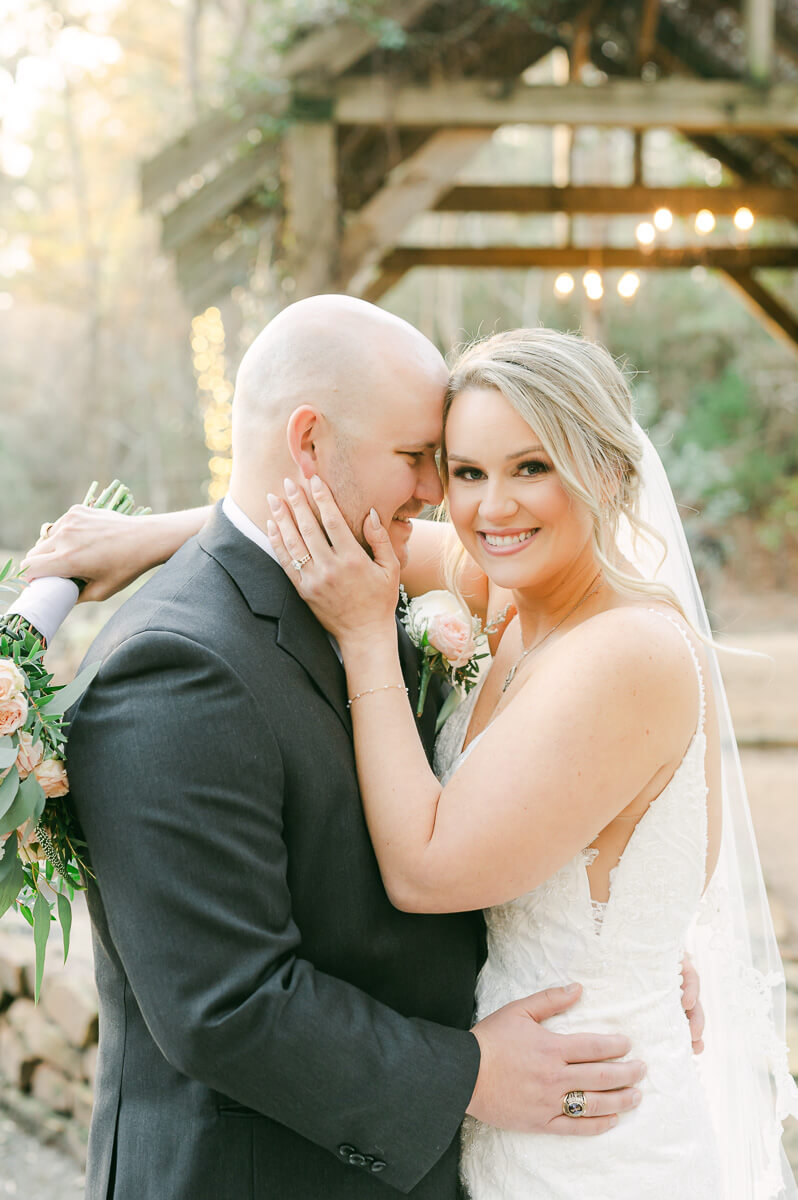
348, 496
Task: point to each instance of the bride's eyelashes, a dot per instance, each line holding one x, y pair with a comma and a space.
527, 470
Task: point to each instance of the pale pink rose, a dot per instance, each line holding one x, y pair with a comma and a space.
452, 634
52, 775
28, 754
13, 714
12, 680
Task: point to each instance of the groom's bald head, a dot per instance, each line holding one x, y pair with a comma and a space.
337, 387
335, 353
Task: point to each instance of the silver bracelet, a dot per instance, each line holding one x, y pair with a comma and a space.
370, 691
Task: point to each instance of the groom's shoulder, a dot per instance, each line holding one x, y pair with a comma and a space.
191, 597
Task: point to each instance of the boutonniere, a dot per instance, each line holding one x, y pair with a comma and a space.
452, 643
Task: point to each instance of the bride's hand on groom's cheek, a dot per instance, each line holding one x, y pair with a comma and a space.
349, 591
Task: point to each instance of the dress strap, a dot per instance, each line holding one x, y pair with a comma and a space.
702, 694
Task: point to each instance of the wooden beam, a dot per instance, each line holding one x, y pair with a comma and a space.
648, 30
219, 197
759, 24
682, 201
708, 105
767, 309
217, 279
310, 240
413, 187
724, 258
328, 50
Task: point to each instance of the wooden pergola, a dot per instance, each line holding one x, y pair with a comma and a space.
323, 170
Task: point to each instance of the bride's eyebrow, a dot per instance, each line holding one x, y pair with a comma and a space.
509, 457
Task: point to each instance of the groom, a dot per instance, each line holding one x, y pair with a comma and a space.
270, 1027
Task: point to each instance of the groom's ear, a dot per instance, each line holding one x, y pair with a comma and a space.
302, 434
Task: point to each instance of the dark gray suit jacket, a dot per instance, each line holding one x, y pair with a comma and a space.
269, 1025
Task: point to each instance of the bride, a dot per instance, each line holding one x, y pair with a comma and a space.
587, 794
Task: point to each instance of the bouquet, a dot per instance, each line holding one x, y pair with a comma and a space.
451, 640
42, 857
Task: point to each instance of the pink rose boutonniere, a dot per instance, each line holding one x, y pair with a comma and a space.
451, 640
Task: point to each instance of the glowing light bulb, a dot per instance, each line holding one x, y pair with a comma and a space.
744, 219
564, 284
645, 233
591, 281
663, 219
628, 284
704, 221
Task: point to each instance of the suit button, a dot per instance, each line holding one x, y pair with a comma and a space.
345, 1151
377, 1166
357, 1160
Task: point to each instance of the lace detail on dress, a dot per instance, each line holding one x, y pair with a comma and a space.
627, 954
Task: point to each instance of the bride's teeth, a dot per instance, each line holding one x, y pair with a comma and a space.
493, 540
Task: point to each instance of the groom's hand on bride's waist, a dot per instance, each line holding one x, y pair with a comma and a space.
526, 1071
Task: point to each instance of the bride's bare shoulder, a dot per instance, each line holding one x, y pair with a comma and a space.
642, 644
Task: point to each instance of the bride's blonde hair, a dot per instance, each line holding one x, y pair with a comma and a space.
574, 396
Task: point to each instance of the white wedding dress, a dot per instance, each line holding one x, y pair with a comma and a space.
627, 954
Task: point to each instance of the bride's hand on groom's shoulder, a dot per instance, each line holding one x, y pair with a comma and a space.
352, 594
105, 548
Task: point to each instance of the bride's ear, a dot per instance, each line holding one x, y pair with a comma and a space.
302, 434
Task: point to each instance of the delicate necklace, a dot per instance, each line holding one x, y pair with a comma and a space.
511, 673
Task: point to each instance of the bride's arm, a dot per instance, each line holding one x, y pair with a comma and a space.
610, 704
107, 549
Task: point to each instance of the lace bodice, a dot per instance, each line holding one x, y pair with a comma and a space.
627, 954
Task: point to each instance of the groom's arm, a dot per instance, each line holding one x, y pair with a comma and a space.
178, 783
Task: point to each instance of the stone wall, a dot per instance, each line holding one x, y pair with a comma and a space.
48, 1052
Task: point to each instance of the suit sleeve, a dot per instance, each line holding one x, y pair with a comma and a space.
177, 781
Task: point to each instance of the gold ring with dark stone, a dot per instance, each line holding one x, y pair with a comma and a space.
574, 1104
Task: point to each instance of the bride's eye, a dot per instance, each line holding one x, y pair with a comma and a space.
469, 474
534, 467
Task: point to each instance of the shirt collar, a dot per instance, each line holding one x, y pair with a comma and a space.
244, 524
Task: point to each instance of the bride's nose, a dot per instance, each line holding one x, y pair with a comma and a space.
497, 504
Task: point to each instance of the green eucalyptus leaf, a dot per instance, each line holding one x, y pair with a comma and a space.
41, 932
8, 753
65, 697
11, 875
8, 792
65, 920
26, 913
28, 805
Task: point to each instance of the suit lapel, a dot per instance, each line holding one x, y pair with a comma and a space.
301, 636
269, 593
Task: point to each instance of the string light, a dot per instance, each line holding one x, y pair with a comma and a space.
645, 233
564, 284
704, 221
744, 219
628, 285
216, 395
663, 219
594, 288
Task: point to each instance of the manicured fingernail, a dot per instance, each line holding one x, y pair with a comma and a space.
613, 1122
274, 502
375, 519
637, 1097
643, 1071
572, 987
290, 487
271, 529
315, 484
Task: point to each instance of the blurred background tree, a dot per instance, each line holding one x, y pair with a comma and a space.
95, 363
